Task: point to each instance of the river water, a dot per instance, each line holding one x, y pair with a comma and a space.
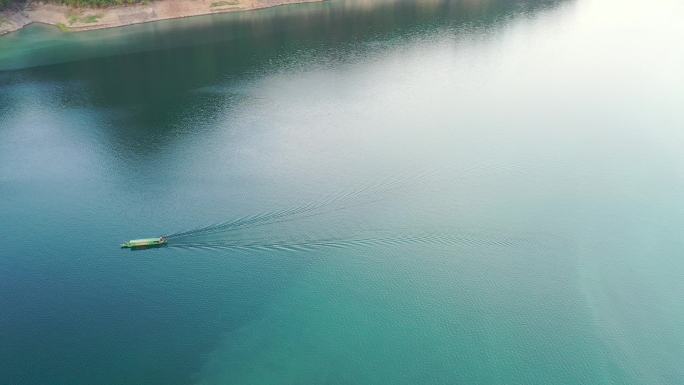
381, 192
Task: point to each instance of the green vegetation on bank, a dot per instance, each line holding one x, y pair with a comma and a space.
6, 3
224, 3
76, 3
97, 3
79, 17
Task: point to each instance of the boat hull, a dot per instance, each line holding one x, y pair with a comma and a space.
138, 244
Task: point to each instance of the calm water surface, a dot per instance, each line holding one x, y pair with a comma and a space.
435, 192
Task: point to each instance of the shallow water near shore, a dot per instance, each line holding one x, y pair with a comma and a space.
443, 192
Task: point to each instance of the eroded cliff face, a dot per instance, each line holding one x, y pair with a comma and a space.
12, 20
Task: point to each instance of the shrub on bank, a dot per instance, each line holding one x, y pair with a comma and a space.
6, 3
97, 3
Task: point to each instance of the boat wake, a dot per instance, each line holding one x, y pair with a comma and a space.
366, 195
255, 232
308, 245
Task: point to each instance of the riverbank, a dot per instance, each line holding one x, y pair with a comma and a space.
70, 19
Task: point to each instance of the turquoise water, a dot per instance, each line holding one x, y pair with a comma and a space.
438, 192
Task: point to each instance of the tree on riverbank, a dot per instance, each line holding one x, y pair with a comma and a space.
6, 3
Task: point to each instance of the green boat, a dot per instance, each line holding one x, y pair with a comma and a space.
144, 243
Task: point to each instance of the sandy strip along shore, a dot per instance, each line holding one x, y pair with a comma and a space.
83, 19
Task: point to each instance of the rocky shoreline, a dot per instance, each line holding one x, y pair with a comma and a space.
70, 19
